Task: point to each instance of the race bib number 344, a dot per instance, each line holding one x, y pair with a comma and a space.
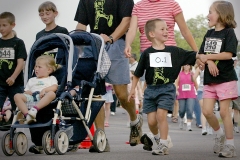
213, 45
160, 59
7, 53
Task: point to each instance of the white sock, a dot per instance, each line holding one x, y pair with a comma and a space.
219, 132
164, 141
189, 123
133, 123
230, 142
157, 136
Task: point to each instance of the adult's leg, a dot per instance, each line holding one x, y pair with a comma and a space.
122, 95
197, 111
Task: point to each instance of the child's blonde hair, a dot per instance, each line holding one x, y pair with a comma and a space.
50, 62
226, 13
48, 6
150, 26
9, 16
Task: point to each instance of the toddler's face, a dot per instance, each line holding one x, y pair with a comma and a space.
41, 69
48, 17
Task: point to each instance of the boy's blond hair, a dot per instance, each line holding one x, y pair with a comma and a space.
48, 6
150, 26
50, 62
9, 16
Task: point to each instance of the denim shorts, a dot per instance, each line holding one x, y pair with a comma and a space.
159, 96
119, 70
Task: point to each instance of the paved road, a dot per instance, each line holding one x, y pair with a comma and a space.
186, 145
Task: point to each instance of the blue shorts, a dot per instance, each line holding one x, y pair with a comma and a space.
159, 96
119, 70
31, 98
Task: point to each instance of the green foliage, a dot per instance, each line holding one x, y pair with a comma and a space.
136, 44
198, 27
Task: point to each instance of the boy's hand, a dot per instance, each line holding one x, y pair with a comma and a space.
212, 68
10, 81
200, 64
203, 58
131, 95
127, 51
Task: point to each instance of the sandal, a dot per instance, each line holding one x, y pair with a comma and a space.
174, 119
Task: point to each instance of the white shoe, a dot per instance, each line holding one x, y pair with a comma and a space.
209, 130
170, 144
113, 113
204, 131
236, 129
189, 128
181, 124
31, 117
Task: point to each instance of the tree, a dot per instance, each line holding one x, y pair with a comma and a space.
136, 44
198, 27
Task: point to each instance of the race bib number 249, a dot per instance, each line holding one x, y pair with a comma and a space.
213, 45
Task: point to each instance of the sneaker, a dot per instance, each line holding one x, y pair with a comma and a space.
107, 148
36, 149
73, 148
189, 128
181, 124
204, 131
236, 129
219, 142
210, 131
147, 142
228, 151
136, 132
161, 149
113, 113
31, 117
170, 144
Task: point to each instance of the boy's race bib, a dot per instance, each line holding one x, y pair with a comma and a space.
160, 59
186, 87
7, 53
213, 45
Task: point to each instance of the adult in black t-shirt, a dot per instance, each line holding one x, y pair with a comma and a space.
110, 19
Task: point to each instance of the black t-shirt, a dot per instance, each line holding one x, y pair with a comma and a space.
10, 51
215, 42
163, 75
57, 29
103, 16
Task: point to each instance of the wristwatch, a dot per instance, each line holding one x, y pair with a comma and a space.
111, 39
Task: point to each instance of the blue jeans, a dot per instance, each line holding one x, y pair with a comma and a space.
186, 105
197, 111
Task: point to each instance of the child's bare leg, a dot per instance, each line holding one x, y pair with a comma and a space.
226, 117
8, 115
162, 123
20, 100
48, 98
107, 112
208, 105
152, 122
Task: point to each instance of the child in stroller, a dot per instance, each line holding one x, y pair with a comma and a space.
41, 88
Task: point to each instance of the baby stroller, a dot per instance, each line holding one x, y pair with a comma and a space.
59, 136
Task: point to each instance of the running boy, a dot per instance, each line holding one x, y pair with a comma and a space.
12, 56
220, 81
162, 64
41, 88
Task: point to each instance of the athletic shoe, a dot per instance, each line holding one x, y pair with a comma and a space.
136, 132
236, 129
189, 128
36, 149
31, 116
228, 151
219, 142
161, 149
181, 124
204, 131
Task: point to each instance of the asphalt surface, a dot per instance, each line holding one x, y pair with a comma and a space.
186, 145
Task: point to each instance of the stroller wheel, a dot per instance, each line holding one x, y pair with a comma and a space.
61, 142
6, 144
20, 143
99, 140
46, 143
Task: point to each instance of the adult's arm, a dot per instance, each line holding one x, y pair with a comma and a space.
180, 20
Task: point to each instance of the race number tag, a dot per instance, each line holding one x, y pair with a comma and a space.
186, 87
213, 45
7, 53
160, 59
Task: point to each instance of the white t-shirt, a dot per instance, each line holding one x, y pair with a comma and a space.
37, 84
